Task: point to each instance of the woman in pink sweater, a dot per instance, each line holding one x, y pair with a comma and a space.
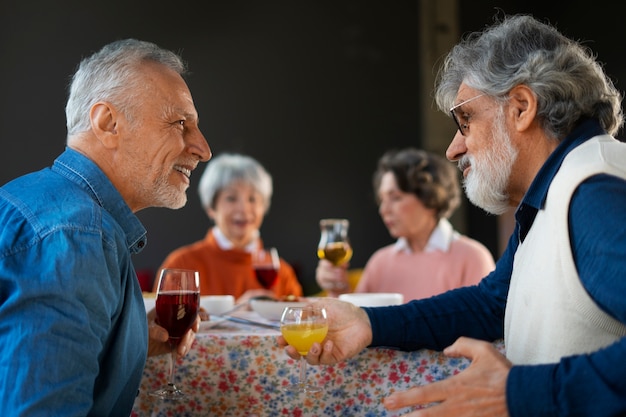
417, 192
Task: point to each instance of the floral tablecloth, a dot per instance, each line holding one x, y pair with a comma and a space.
237, 370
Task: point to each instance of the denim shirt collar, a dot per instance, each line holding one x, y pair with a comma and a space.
84, 172
535, 197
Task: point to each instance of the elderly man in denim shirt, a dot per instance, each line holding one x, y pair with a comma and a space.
73, 330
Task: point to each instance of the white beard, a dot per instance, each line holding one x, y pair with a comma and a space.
168, 195
486, 183
151, 189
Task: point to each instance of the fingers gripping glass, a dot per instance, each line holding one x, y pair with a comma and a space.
463, 127
177, 299
301, 327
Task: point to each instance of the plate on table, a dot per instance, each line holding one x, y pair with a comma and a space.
273, 309
212, 322
149, 300
373, 299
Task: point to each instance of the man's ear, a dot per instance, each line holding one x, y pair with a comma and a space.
104, 124
523, 105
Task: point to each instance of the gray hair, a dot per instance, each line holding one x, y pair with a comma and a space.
565, 77
112, 75
226, 169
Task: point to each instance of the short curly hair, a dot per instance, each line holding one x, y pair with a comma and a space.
433, 179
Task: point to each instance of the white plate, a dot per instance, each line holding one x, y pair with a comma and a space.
149, 300
212, 322
373, 299
272, 310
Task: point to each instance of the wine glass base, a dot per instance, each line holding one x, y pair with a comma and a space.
171, 392
296, 388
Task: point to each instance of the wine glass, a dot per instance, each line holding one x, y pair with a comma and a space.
177, 300
301, 327
266, 264
334, 244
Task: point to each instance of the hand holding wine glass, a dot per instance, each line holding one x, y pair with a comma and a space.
158, 337
266, 265
177, 301
301, 327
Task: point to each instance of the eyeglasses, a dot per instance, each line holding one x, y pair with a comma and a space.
463, 127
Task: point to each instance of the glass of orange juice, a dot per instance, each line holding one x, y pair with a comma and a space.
301, 327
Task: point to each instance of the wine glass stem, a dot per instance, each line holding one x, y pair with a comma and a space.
302, 371
172, 364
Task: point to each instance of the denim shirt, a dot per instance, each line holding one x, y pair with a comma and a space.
73, 328
583, 385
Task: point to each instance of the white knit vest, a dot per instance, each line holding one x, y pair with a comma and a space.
549, 314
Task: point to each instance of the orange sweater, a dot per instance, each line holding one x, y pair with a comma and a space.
227, 271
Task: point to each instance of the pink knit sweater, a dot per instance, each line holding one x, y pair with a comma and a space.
427, 273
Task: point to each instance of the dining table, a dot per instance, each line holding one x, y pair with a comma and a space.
237, 369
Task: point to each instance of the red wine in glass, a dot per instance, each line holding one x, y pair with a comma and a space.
266, 275
177, 301
176, 311
266, 264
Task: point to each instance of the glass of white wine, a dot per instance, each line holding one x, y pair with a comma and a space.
301, 327
334, 244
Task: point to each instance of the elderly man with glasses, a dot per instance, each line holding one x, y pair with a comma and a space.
536, 116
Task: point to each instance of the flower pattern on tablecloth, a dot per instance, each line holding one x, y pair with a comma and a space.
236, 370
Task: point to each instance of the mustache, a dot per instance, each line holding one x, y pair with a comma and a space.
464, 163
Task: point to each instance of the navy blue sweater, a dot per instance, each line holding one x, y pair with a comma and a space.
584, 385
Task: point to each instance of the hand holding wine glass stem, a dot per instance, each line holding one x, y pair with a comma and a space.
177, 302
301, 327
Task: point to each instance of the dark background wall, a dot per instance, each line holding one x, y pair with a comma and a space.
316, 91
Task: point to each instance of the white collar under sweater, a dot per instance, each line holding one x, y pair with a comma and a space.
440, 239
225, 244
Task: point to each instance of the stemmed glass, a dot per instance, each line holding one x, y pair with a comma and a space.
177, 300
334, 244
301, 327
266, 264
